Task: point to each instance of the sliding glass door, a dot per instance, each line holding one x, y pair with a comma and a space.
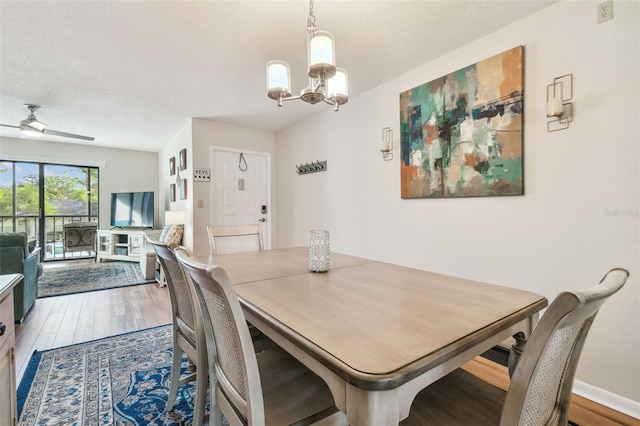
39, 198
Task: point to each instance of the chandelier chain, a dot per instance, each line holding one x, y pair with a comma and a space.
311, 22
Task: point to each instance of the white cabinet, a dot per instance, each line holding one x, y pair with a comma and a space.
120, 244
8, 405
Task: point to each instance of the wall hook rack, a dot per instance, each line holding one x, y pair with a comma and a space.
316, 166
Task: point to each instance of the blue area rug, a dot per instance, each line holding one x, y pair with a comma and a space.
93, 276
119, 380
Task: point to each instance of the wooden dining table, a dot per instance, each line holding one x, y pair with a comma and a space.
377, 333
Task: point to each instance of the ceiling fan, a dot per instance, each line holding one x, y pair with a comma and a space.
32, 127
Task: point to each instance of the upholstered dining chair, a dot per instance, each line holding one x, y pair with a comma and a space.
185, 334
80, 236
234, 239
541, 385
267, 387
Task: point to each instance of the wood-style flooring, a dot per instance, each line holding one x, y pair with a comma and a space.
65, 320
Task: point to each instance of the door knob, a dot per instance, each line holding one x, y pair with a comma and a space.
262, 220
3, 328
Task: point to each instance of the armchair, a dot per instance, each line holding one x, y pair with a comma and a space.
16, 258
80, 236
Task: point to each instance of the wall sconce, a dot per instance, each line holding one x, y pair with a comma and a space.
387, 144
559, 103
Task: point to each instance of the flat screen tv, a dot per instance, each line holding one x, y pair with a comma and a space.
132, 209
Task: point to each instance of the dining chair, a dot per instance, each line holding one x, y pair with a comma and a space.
234, 239
186, 337
268, 387
542, 381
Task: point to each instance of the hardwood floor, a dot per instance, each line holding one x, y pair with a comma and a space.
582, 411
65, 320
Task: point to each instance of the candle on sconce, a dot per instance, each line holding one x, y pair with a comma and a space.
554, 107
387, 137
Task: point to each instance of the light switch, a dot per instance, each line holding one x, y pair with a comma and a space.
240, 184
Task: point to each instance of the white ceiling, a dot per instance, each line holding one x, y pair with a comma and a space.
132, 73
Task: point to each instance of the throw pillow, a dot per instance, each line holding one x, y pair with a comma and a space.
174, 236
164, 232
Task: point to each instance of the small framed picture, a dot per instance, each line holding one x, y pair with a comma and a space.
183, 189
172, 192
172, 166
183, 159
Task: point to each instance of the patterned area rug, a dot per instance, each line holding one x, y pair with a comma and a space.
120, 380
89, 277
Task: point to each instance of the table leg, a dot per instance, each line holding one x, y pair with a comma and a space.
371, 408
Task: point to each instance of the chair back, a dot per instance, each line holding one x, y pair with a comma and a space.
79, 236
238, 391
179, 290
234, 239
542, 382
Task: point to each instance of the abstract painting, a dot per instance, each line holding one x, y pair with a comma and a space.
461, 134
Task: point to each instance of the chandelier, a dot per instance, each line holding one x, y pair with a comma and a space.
326, 82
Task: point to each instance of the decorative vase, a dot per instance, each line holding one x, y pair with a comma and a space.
319, 251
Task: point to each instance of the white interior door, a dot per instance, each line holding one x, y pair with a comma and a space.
240, 188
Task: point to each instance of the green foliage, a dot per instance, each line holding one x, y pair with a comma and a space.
57, 187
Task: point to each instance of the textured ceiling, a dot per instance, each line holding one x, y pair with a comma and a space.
132, 73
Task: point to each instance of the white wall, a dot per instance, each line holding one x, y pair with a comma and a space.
182, 140
579, 215
120, 170
205, 135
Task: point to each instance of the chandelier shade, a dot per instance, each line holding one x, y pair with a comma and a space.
278, 79
326, 83
337, 86
320, 55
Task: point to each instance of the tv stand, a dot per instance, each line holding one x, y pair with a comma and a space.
120, 244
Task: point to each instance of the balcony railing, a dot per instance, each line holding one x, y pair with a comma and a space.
54, 235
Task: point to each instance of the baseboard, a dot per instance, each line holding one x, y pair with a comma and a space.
608, 399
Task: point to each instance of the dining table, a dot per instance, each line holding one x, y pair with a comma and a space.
377, 333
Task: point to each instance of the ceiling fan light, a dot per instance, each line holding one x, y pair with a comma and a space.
33, 123
29, 131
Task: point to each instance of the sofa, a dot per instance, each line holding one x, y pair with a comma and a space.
17, 257
170, 234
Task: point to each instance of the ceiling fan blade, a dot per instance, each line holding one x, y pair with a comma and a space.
67, 135
9, 125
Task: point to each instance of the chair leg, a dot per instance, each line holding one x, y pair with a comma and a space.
215, 415
175, 375
200, 397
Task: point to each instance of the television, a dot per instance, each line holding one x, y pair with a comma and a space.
132, 209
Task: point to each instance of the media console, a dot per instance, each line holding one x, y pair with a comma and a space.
120, 244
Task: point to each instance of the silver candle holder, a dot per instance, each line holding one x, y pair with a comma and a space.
319, 251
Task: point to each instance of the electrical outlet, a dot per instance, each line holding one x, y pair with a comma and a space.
605, 11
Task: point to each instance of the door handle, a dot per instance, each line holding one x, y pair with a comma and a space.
262, 220
3, 328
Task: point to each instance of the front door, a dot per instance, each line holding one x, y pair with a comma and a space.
241, 189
